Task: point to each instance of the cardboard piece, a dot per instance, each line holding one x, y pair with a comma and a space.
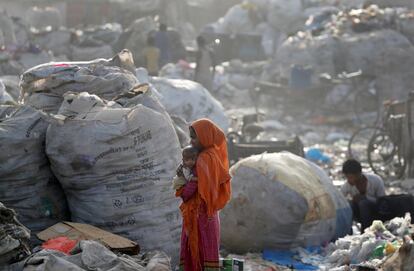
78, 231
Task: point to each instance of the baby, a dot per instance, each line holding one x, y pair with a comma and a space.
187, 170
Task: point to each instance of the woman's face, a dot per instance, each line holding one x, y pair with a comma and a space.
194, 141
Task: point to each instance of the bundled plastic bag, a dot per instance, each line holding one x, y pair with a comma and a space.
106, 78
26, 183
189, 100
115, 165
281, 201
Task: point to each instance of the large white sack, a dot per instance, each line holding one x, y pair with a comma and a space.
281, 201
57, 41
7, 30
43, 18
90, 53
377, 52
236, 20
115, 165
106, 78
26, 183
317, 52
406, 27
387, 55
285, 16
189, 100
29, 60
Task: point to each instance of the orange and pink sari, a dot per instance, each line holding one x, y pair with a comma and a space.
200, 237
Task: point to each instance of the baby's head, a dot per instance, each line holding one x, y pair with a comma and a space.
189, 156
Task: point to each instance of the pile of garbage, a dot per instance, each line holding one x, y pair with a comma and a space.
41, 38
91, 255
235, 81
18, 52
112, 178
63, 253
367, 19
388, 245
372, 40
14, 237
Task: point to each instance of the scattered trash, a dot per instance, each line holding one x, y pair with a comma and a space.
78, 231
14, 237
62, 244
91, 255
316, 155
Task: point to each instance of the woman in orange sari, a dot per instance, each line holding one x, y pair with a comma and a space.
200, 237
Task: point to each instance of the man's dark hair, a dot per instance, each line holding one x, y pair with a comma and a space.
351, 166
190, 150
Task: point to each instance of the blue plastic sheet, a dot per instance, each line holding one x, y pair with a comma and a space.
287, 258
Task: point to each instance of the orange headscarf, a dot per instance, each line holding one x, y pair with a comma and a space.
212, 166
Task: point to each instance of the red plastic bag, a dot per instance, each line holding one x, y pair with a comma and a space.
62, 244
